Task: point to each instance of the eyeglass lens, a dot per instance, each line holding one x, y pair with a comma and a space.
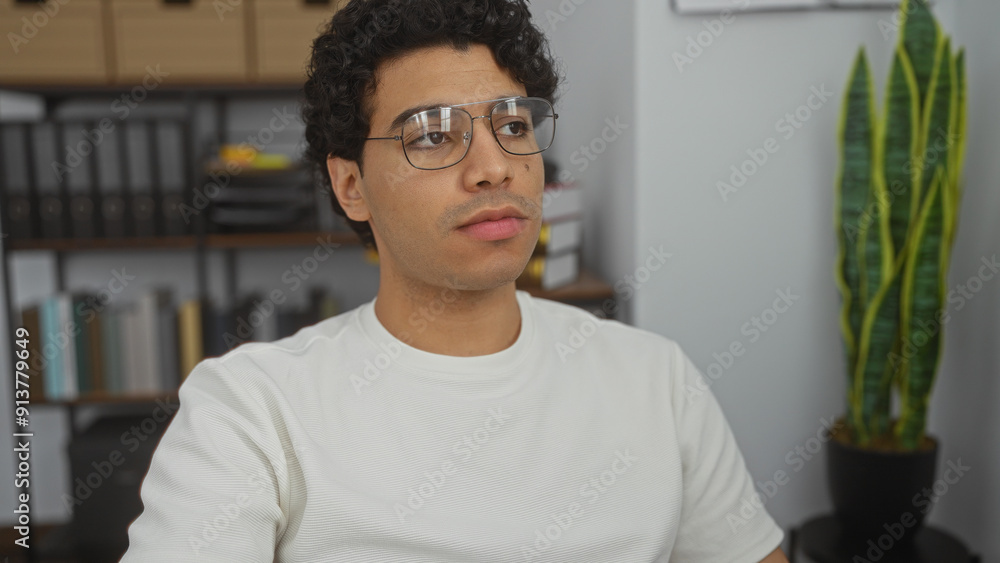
440, 137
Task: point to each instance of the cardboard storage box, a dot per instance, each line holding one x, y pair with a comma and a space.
193, 41
285, 30
54, 41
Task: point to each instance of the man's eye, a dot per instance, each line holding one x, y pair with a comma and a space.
435, 137
428, 140
515, 128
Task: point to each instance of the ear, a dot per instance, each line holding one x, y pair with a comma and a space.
344, 181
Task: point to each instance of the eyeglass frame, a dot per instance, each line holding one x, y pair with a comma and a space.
472, 129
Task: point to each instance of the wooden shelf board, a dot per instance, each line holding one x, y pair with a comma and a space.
268, 240
105, 397
233, 87
76, 244
218, 166
238, 240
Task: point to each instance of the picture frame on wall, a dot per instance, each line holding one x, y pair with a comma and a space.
716, 6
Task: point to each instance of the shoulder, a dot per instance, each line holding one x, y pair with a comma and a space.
561, 317
266, 366
571, 330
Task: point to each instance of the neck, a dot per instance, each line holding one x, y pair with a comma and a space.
447, 321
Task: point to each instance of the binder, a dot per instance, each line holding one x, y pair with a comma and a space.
112, 214
142, 214
83, 216
52, 212
173, 217
18, 219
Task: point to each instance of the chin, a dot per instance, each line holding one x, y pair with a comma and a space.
492, 273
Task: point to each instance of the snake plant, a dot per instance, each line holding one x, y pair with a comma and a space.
898, 193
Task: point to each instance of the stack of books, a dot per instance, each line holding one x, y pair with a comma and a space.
261, 192
82, 347
556, 258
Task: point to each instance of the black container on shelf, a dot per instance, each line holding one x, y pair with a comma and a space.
263, 201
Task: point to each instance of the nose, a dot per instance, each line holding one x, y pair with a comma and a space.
486, 164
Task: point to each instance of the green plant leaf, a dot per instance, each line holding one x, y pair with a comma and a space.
936, 136
898, 191
898, 146
872, 379
957, 152
922, 301
919, 35
896, 152
853, 185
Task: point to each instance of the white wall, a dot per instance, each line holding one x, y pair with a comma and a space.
966, 406
776, 232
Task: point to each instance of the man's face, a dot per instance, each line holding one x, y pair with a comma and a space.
417, 215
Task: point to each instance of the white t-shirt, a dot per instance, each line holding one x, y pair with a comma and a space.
586, 441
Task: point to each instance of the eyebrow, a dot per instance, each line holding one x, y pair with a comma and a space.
402, 116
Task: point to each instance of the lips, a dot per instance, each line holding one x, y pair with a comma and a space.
494, 215
501, 229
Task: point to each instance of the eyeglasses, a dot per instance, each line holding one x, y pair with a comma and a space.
440, 137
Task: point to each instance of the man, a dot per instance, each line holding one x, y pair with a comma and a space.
442, 421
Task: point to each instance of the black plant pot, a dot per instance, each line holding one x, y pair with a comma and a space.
876, 493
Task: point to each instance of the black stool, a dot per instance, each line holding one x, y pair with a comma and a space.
819, 541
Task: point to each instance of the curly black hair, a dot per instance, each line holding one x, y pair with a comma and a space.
337, 104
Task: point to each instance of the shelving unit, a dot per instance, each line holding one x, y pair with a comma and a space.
197, 240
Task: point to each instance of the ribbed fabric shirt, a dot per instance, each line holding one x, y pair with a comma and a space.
586, 441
